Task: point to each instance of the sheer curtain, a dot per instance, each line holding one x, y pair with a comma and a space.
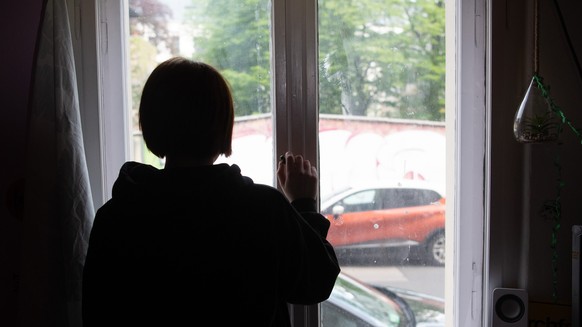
58, 209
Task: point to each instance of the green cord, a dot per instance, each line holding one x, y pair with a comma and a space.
553, 208
555, 108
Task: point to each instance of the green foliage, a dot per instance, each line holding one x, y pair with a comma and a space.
382, 58
235, 39
150, 16
143, 58
544, 125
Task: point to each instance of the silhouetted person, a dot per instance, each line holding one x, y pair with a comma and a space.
197, 241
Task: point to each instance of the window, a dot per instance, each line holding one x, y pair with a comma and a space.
361, 201
332, 81
210, 31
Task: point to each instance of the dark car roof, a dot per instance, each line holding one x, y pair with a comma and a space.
386, 306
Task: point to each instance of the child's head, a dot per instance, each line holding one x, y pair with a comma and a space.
186, 111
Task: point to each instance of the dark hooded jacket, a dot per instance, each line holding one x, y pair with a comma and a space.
184, 246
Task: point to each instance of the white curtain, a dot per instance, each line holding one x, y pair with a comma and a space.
58, 210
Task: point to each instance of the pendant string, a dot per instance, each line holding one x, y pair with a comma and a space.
536, 36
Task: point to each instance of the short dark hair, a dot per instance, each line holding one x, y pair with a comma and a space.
186, 110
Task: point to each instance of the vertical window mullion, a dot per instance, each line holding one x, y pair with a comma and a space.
295, 77
295, 81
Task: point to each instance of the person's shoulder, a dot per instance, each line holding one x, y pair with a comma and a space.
113, 211
265, 196
106, 211
265, 190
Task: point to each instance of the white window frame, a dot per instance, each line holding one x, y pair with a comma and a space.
101, 59
468, 158
98, 29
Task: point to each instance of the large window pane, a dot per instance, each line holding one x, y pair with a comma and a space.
232, 36
382, 142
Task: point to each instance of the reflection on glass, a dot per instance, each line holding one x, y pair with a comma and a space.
382, 141
231, 36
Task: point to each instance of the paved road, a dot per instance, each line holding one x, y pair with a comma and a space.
429, 280
394, 268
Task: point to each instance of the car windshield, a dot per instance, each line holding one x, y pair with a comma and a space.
364, 303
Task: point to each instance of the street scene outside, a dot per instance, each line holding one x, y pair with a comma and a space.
373, 151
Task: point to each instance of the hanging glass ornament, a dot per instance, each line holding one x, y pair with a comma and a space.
535, 121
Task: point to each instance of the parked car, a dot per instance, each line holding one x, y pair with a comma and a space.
355, 304
401, 214
428, 310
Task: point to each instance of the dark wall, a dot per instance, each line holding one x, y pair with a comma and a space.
522, 177
19, 21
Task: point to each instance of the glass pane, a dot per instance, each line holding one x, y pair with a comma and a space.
382, 152
234, 37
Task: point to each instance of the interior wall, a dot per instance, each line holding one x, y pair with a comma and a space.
19, 21
524, 177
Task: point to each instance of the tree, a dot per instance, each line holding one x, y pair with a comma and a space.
235, 39
149, 18
148, 29
381, 58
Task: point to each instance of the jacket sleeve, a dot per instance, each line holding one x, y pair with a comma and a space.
100, 279
93, 291
317, 266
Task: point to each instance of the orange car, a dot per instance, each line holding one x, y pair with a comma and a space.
401, 214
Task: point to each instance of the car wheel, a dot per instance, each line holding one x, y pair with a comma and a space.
435, 250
